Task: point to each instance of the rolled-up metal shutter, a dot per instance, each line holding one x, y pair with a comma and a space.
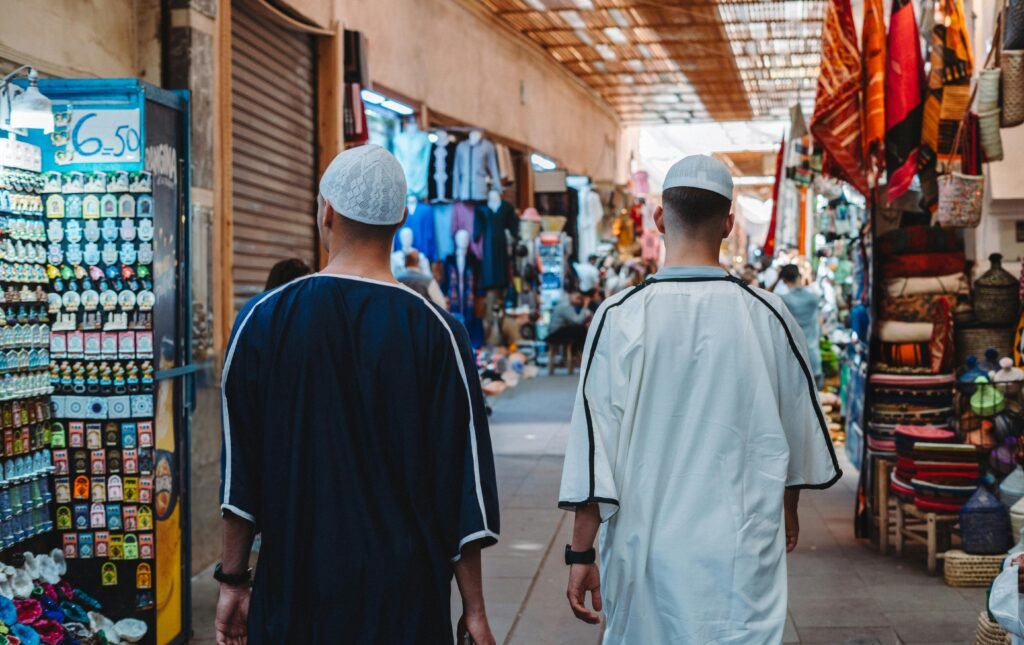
273, 127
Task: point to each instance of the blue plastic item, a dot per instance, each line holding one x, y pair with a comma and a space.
984, 524
25, 634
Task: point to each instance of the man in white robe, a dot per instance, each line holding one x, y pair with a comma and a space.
1006, 597
696, 416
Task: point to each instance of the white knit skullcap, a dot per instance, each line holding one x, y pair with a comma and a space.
700, 171
366, 184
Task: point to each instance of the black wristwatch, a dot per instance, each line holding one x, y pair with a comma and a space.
579, 557
232, 579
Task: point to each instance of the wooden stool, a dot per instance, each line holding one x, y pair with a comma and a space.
883, 470
567, 355
924, 528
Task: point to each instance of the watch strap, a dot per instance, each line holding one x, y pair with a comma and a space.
232, 579
579, 557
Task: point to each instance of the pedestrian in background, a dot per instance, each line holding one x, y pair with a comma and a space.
285, 271
803, 304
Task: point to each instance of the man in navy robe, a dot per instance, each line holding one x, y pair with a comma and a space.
355, 442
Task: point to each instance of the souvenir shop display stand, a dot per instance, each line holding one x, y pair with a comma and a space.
99, 246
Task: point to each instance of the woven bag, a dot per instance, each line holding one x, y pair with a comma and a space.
1012, 65
989, 112
961, 198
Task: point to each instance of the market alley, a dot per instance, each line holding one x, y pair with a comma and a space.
840, 590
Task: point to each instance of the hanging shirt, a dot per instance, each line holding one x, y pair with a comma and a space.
591, 213
695, 411
441, 172
492, 230
421, 222
462, 288
412, 149
356, 440
476, 170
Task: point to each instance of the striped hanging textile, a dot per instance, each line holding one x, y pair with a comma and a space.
836, 124
904, 82
874, 88
949, 95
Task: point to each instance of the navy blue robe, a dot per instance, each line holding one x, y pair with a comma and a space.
355, 438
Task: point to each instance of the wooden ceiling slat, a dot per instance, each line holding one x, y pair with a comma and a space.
680, 59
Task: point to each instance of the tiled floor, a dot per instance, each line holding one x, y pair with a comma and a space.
840, 590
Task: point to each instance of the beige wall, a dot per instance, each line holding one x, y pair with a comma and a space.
83, 38
459, 63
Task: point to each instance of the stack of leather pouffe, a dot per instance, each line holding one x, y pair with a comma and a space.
911, 383
933, 471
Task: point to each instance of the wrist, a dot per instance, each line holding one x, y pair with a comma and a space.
240, 578
572, 556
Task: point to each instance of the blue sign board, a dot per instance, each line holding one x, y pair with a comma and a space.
98, 125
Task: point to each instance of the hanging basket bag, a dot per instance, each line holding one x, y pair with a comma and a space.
961, 198
1012, 65
989, 113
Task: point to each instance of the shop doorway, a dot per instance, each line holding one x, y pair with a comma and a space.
273, 130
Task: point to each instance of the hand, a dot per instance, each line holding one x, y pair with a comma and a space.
478, 629
584, 578
232, 621
792, 530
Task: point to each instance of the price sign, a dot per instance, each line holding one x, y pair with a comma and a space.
105, 136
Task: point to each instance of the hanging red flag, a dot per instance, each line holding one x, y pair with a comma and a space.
769, 242
836, 124
904, 83
874, 88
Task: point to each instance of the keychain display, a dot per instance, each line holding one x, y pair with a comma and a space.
97, 260
26, 461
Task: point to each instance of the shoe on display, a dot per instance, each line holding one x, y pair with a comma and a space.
31, 565
100, 623
22, 584
48, 571
58, 558
131, 630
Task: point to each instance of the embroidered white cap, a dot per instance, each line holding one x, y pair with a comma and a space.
366, 184
700, 171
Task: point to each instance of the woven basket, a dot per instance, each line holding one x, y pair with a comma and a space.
966, 570
990, 633
997, 296
991, 138
1012, 65
974, 340
960, 200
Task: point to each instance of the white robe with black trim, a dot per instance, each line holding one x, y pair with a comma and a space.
696, 410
